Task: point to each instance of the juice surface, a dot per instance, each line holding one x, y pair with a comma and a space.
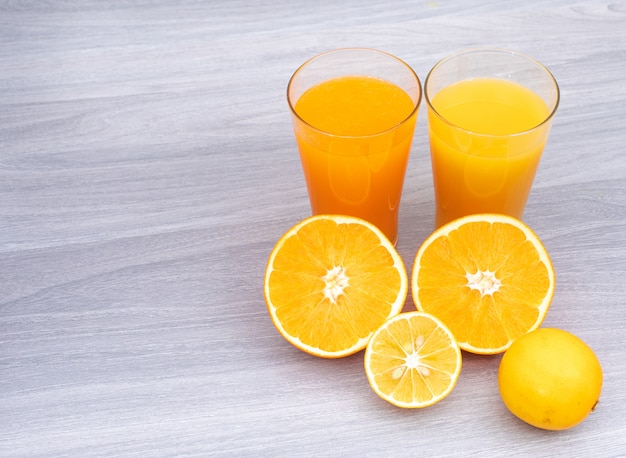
355, 156
485, 156
354, 106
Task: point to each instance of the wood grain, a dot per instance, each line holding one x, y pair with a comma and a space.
147, 167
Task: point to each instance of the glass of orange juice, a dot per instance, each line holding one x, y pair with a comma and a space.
489, 117
354, 113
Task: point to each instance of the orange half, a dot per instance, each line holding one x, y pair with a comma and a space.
488, 277
331, 281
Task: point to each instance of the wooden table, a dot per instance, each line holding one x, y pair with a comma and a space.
148, 166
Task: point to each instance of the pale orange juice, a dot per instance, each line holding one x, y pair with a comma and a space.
354, 134
486, 137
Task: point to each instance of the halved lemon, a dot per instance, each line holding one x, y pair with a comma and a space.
412, 360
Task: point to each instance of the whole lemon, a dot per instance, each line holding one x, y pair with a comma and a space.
550, 379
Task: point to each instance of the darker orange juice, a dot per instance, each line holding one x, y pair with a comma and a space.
354, 134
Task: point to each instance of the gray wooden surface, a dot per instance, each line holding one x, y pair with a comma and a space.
147, 167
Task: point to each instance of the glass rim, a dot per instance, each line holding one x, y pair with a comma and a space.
371, 50
529, 58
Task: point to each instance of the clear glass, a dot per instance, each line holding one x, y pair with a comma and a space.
491, 169
357, 175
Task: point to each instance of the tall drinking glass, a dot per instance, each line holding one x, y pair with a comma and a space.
489, 117
354, 113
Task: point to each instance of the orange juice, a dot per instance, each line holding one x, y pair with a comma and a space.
486, 141
354, 134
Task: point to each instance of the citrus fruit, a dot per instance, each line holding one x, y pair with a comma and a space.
550, 379
488, 277
331, 281
412, 360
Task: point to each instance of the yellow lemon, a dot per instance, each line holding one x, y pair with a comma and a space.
550, 379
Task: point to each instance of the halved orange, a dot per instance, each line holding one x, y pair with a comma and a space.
488, 277
412, 360
331, 281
